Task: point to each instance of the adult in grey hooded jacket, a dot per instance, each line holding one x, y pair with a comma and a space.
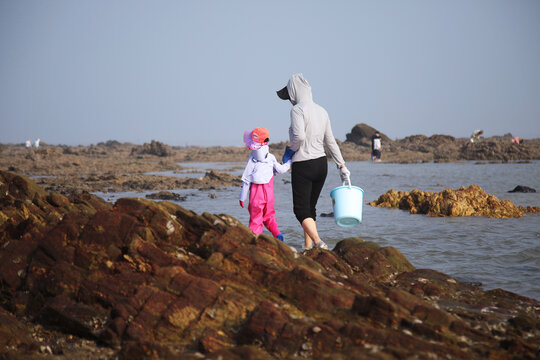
309, 132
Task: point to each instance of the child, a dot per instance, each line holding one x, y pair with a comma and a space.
258, 181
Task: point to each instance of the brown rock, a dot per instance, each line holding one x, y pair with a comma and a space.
143, 279
361, 135
369, 258
15, 336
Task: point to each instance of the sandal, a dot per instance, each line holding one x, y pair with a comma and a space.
322, 245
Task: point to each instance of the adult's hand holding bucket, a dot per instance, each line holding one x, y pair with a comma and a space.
347, 202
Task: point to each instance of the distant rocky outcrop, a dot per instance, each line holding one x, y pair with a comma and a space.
154, 148
110, 143
471, 201
438, 147
523, 189
81, 278
361, 135
423, 143
497, 150
448, 148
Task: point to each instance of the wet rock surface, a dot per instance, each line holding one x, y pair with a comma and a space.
470, 201
166, 195
82, 278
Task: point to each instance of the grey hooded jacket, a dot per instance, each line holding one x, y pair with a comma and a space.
310, 128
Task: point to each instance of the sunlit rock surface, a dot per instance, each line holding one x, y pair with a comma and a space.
138, 279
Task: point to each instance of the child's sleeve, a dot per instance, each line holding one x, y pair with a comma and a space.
281, 168
244, 191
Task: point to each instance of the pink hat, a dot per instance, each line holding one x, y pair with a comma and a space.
257, 138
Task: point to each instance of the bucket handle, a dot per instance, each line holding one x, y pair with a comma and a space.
349, 180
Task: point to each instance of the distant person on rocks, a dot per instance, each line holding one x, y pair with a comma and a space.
376, 147
37, 143
309, 132
28, 143
517, 140
476, 136
258, 182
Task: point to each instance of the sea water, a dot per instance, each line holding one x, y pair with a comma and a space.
497, 253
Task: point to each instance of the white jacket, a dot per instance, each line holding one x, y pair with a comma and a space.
260, 168
310, 126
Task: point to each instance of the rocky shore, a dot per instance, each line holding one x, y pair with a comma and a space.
82, 278
441, 148
113, 167
118, 167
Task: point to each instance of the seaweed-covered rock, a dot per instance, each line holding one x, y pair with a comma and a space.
471, 201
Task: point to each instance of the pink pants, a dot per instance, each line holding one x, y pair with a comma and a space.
261, 208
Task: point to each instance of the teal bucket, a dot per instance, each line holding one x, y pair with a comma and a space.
347, 202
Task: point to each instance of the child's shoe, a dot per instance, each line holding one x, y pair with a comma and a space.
322, 245
306, 248
280, 237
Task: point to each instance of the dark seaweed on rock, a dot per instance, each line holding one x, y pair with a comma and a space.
166, 195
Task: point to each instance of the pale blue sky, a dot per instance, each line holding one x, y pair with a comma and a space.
201, 72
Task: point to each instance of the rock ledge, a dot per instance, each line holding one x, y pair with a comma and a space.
81, 278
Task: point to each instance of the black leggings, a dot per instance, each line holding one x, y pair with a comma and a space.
307, 182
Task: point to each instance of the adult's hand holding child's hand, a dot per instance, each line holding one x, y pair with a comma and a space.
287, 155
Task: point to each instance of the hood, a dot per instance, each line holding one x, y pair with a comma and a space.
261, 153
299, 89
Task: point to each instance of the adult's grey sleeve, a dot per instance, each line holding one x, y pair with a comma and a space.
297, 133
332, 146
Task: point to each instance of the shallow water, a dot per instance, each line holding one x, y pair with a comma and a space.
498, 253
